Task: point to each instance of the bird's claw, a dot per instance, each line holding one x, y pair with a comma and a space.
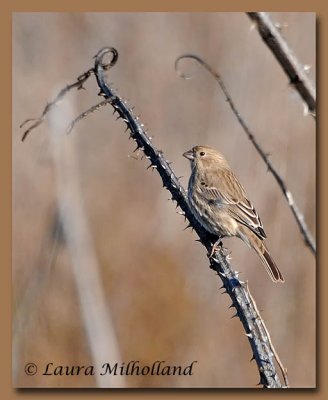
217, 246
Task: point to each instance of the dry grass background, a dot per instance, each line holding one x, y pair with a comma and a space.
164, 299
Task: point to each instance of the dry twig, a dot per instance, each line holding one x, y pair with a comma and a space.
37, 121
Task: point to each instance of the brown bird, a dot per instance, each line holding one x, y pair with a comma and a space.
220, 204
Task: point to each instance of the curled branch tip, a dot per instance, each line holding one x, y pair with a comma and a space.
176, 67
102, 53
193, 57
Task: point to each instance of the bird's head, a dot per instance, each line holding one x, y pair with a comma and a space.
205, 156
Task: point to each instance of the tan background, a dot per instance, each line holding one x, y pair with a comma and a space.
164, 300
163, 297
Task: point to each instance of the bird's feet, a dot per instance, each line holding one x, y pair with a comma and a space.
217, 246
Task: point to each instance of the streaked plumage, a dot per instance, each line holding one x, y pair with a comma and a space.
220, 204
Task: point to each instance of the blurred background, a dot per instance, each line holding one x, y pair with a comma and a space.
125, 281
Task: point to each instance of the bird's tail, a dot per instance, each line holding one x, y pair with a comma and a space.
271, 267
266, 259
269, 264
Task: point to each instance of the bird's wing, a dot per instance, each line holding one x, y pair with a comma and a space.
245, 213
224, 190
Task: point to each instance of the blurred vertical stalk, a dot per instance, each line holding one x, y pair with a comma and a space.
26, 307
96, 314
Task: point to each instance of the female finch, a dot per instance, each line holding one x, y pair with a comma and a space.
220, 204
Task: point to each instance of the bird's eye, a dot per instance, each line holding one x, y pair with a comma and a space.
202, 153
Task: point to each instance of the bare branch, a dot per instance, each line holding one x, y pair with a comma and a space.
237, 290
282, 368
288, 61
308, 238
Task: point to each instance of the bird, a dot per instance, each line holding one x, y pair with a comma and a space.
220, 204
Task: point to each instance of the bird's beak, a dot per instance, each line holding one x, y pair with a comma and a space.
189, 154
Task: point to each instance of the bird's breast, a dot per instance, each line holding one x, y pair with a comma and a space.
213, 216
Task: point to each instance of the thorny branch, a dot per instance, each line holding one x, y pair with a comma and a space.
255, 329
288, 61
308, 238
